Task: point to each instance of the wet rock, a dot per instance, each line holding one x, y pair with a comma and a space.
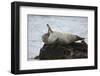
63, 51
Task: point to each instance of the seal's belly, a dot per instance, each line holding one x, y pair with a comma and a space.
66, 38
62, 37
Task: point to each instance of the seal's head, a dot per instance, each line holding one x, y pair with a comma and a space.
79, 38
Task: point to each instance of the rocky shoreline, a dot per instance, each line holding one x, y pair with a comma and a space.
58, 51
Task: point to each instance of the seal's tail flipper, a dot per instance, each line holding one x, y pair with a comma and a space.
49, 29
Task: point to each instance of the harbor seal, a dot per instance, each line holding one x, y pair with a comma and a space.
63, 38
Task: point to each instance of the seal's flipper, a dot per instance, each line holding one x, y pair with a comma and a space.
49, 29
